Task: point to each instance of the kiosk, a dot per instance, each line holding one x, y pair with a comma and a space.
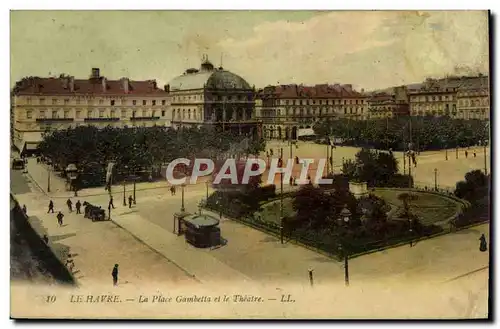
201, 231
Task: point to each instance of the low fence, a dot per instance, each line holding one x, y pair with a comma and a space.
39, 249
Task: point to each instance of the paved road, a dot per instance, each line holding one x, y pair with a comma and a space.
19, 182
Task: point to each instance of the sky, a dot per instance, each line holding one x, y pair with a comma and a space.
368, 49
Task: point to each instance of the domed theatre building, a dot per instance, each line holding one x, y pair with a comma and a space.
214, 97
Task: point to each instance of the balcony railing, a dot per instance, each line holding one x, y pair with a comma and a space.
49, 120
101, 119
144, 118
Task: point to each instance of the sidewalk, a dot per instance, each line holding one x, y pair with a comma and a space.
97, 246
201, 266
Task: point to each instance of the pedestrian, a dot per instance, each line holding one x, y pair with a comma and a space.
309, 179
60, 217
331, 161
70, 264
25, 210
114, 274
70, 205
111, 205
291, 180
175, 189
78, 205
466, 154
271, 152
482, 246
474, 154
46, 239
51, 207
172, 190
130, 199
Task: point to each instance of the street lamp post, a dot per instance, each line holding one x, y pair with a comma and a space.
435, 179
281, 198
124, 192
485, 161
72, 172
135, 178
48, 180
411, 231
182, 198
345, 216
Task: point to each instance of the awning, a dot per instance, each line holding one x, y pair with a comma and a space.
31, 146
305, 132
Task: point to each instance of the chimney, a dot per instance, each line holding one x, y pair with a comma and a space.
104, 85
64, 81
154, 84
125, 85
95, 73
71, 84
167, 88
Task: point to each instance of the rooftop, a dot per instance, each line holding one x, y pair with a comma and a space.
316, 91
94, 85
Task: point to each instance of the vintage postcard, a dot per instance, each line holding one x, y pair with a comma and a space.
250, 164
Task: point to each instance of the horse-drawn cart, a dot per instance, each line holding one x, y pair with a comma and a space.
94, 213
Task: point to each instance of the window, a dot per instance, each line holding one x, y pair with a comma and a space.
163, 102
54, 114
286, 102
345, 102
112, 102
42, 114
101, 101
54, 101
134, 102
42, 101
78, 114
28, 101
153, 114
66, 101
66, 114
345, 110
101, 113
163, 113
154, 102
144, 102
294, 102
29, 114
112, 113
123, 102
134, 113
189, 113
124, 113
183, 114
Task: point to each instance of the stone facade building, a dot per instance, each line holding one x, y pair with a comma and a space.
286, 108
389, 105
213, 97
45, 104
457, 97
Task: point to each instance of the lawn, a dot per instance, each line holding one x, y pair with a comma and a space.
429, 207
271, 211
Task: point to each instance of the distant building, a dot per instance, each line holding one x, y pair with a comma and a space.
457, 97
212, 97
284, 109
473, 98
389, 105
44, 104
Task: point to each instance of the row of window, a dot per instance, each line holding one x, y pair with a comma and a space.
474, 102
317, 102
112, 102
309, 111
184, 99
432, 98
195, 115
54, 114
440, 112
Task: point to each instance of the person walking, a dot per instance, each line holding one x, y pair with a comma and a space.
78, 205
482, 245
130, 199
466, 154
475, 154
111, 205
114, 274
46, 239
70, 205
60, 217
25, 210
51, 207
172, 190
70, 263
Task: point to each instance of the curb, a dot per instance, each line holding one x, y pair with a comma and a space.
192, 276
